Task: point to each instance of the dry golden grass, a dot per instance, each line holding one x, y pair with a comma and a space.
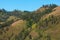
18, 26
14, 29
41, 9
34, 34
56, 12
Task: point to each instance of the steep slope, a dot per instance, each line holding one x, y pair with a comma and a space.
55, 12
50, 23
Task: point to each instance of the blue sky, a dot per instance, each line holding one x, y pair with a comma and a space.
29, 5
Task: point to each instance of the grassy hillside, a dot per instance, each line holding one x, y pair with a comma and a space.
42, 24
